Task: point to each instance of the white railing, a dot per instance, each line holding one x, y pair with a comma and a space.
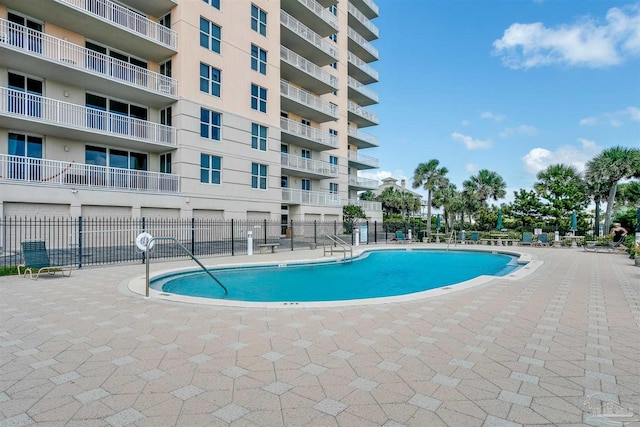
307, 34
373, 6
363, 19
353, 83
368, 115
35, 43
51, 111
308, 132
77, 175
317, 198
363, 182
364, 136
308, 67
362, 42
354, 156
323, 13
309, 165
363, 66
367, 205
127, 19
308, 99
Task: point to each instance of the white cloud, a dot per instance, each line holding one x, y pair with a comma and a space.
585, 43
471, 167
379, 175
589, 121
539, 158
634, 113
471, 143
466, 123
492, 116
524, 130
615, 119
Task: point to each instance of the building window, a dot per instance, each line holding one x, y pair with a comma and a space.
284, 181
305, 154
210, 35
30, 39
25, 95
258, 59
210, 124
258, 137
113, 158
258, 98
165, 68
306, 184
258, 176
214, 3
333, 188
334, 37
334, 9
165, 163
258, 20
165, 116
24, 146
119, 119
334, 65
210, 169
333, 132
333, 160
210, 79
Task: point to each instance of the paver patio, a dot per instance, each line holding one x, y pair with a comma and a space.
558, 347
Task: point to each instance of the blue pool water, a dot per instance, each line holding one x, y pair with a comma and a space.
372, 275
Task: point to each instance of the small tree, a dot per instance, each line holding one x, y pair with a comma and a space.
351, 214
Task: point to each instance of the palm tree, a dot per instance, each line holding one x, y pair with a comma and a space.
611, 166
430, 177
448, 198
564, 190
486, 185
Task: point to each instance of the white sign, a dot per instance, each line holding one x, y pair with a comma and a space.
143, 239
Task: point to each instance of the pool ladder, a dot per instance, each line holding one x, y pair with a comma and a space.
336, 244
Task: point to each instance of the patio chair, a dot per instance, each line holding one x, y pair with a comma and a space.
611, 247
543, 240
475, 237
400, 237
527, 238
36, 259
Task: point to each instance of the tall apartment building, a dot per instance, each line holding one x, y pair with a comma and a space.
186, 108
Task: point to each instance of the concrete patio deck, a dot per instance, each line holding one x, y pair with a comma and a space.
559, 347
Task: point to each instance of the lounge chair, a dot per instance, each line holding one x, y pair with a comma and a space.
611, 247
474, 238
527, 238
543, 240
400, 237
36, 259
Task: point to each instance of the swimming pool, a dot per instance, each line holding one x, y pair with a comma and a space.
373, 274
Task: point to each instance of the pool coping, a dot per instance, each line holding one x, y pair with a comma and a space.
137, 285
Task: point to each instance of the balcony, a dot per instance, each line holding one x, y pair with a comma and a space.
367, 205
59, 60
312, 14
291, 196
360, 139
29, 170
306, 136
360, 93
105, 22
306, 104
153, 7
359, 22
304, 41
307, 168
327, 3
368, 8
299, 70
32, 113
360, 161
361, 47
361, 184
360, 116
362, 71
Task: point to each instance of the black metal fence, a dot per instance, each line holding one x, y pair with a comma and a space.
97, 241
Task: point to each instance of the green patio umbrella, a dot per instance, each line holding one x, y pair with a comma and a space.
499, 226
437, 222
574, 221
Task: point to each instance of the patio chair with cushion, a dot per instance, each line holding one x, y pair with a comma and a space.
527, 238
543, 240
475, 237
400, 237
36, 260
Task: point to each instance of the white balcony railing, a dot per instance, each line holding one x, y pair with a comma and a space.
363, 19
363, 66
19, 104
78, 175
353, 83
354, 156
362, 42
363, 182
364, 136
322, 12
35, 43
308, 132
367, 205
127, 19
368, 115
308, 67
316, 198
303, 164
307, 34
307, 98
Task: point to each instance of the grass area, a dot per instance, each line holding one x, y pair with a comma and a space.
11, 270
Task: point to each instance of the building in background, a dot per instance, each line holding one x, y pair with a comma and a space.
198, 108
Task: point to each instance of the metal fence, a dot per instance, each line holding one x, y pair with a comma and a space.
99, 241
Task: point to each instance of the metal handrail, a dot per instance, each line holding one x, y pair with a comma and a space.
335, 240
193, 257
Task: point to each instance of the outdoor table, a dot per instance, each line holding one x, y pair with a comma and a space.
573, 240
499, 236
438, 235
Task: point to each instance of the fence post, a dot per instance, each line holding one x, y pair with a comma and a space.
265, 231
315, 231
368, 232
335, 228
79, 242
144, 228
193, 235
375, 232
232, 248
291, 235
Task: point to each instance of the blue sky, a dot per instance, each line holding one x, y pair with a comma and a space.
511, 86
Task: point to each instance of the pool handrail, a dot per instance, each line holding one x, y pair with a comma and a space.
336, 241
193, 257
